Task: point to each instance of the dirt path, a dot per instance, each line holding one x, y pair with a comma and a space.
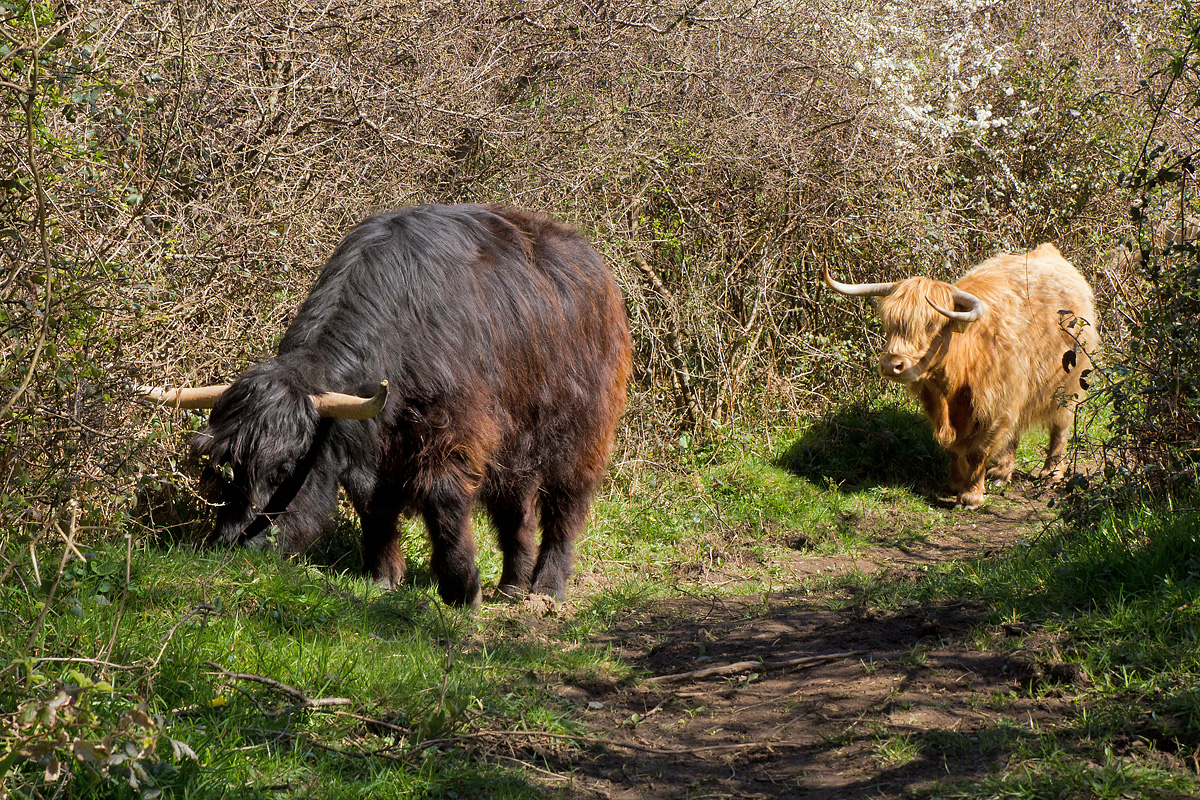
912, 702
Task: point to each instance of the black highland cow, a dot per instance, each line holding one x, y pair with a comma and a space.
505, 349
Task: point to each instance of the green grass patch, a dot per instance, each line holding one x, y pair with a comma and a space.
1064, 775
188, 621
145, 668
1120, 600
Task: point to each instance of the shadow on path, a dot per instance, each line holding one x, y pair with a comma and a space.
910, 706
858, 447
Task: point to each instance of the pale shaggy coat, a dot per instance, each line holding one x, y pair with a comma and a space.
983, 384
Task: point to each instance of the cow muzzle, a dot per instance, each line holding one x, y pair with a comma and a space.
898, 368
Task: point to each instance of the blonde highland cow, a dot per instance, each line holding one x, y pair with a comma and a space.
1003, 349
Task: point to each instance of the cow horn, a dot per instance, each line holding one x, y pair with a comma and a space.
184, 397
857, 289
328, 404
349, 406
975, 306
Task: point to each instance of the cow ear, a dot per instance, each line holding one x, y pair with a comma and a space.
958, 326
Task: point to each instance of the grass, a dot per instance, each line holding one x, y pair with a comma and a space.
119, 666
1058, 774
403, 657
1121, 601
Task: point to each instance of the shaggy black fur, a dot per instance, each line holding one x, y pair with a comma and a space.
506, 347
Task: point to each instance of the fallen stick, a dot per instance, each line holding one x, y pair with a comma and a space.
759, 666
300, 697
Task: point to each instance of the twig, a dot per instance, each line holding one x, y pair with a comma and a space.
556, 776
354, 753
62, 565
683, 381
664, 751
300, 697
759, 666
200, 609
375, 721
37, 573
43, 238
79, 660
112, 641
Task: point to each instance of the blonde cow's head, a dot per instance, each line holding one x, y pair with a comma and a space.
919, 316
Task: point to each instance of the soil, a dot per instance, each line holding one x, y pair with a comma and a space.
840, 702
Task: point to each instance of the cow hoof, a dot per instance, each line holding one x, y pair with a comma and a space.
388, 582
1050, 475
558, 593
510, 592
467, 593
970, 500
474, 600
1000, 477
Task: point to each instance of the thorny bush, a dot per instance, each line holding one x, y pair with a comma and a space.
1154, 387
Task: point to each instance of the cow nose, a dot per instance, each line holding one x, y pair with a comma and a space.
891, 366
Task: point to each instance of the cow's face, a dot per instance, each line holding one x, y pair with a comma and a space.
253, 442
917, 335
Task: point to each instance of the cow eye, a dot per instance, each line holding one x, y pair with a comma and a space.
281, 473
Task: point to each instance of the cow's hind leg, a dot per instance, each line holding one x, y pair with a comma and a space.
447, 513
564, 515
515, 516
1057, 446
1001, 472
958, 471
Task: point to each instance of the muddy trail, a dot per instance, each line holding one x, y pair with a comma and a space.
812, 695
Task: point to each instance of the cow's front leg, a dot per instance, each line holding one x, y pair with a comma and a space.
447, 512
938, 413
971, 490
382, 557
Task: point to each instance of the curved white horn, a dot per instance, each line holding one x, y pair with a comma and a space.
975, 306
349, 406
857, 289
185, 396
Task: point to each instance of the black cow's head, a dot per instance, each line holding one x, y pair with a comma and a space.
262, 439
